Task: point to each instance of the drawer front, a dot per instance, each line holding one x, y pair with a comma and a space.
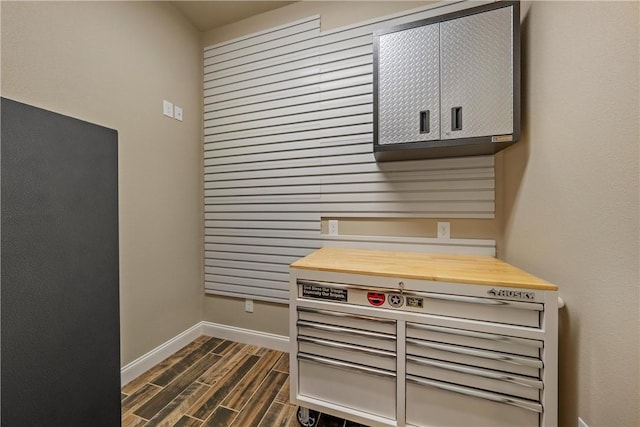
348, 385
485, 309
327, 317
484, 379
347, 335
481, 340
348, 353
475, 357
432, 403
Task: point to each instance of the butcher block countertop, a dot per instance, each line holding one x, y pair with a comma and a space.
472, 269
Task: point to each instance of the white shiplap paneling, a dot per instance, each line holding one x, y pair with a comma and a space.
288, 140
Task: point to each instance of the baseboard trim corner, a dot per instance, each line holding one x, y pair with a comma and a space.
245, 336
145, 362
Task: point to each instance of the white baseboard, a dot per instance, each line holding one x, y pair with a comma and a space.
145, 362
246, 336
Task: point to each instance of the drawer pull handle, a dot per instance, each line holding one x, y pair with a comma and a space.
345, 365
330, 328
479, 373
473, 334
484, 301
531, 406
345, 315
327, 343
533, 363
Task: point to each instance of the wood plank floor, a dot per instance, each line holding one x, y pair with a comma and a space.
215, 383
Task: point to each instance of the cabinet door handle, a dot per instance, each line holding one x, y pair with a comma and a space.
535, 407
425, 121
456, 118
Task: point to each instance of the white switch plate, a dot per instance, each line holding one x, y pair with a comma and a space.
333, 227
444, 230
177, 113
581, 423
167, 108
248, 305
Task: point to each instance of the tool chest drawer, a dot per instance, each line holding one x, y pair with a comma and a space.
520, 365
473, 376
475, 339
351, 385
485, 309
352, 321
346, 335
348, 353
436, 403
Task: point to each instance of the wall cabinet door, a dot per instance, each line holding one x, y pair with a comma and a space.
476, 62
448, 86
409, 86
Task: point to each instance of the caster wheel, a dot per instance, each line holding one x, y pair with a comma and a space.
307, 417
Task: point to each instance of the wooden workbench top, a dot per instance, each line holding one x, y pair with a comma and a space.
472, 269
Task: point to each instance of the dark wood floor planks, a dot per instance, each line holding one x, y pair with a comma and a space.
215, 383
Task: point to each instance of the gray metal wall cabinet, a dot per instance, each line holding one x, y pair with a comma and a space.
448, 86
60, 310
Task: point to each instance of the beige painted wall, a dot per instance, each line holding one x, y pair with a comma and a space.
571, 196
333, 14
567, 194
112, 63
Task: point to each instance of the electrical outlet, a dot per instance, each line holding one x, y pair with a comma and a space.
333, 227
444, 230
581, 423
167, 108
177, 113
248, 305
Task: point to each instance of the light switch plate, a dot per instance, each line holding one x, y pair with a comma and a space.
177, 113
167, 108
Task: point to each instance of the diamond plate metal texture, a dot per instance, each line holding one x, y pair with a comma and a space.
408, 82
477, 73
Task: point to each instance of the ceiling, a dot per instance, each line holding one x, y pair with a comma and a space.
207, 15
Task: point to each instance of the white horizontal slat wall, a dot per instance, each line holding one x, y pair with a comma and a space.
288, 140
261, 98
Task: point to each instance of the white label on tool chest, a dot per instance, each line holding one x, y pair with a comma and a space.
324, 292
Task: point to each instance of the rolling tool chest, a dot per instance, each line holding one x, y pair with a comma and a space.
413, 339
